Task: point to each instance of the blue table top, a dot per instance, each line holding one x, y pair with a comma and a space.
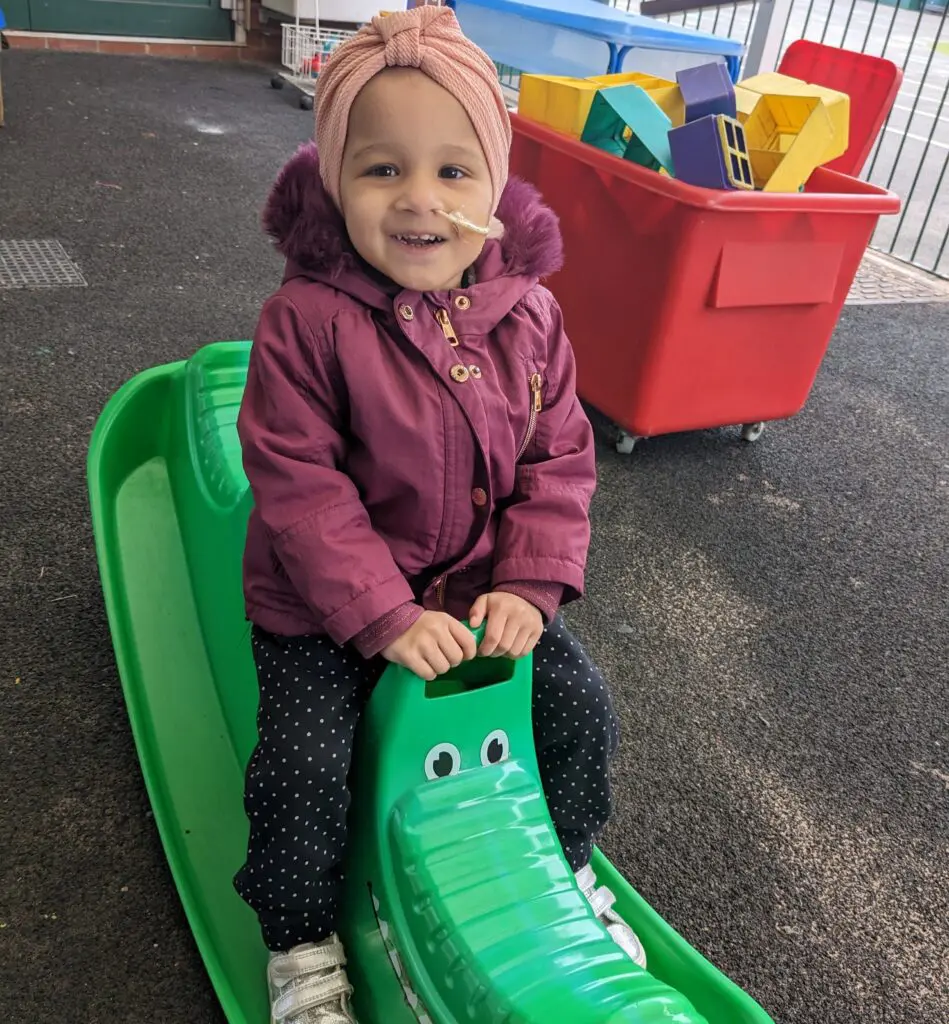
613, 26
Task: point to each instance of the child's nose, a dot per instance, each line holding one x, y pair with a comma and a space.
419, 194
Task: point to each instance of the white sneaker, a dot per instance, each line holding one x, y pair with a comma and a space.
308, 985
602, 900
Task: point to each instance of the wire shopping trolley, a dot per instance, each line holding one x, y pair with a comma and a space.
304, 49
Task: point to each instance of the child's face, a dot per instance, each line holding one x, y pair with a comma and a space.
411, 151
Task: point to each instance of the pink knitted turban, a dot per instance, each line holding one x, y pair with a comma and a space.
427, 38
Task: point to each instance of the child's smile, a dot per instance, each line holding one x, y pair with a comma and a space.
416, 241
411, 157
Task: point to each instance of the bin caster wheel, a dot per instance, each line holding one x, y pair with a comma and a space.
276, 82
306, 102
752, 431
625, 443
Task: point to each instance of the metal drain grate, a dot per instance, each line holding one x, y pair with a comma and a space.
37, 263
883, 280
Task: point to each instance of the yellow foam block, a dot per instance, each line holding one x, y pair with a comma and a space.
787, 138
745, 100
557, 102
664, 94
640, 78
563, 103
836, 103
763, 165
670, 102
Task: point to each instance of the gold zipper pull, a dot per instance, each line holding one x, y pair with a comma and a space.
536, 383
441, 315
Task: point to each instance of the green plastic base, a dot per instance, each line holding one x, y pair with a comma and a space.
169, 506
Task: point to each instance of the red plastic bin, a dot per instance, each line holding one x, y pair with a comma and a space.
691, 308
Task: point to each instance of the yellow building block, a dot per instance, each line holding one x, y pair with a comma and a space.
745, 100
665, 94
788, 137
564, 103
836, 104
763, 165
640, 78
670, 102
557, 102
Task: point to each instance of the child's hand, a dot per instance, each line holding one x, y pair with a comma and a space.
514, 625
435, 643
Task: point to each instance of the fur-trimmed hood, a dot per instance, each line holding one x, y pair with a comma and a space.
308, 229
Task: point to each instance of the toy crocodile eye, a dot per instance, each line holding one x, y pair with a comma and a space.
442, 760
495, 748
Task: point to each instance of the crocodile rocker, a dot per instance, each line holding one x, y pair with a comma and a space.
459, 905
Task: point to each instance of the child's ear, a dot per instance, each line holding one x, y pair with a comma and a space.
495, 228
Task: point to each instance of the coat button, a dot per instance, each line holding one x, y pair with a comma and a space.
406, 312
459, 373
479, 497
475, 372
463, 302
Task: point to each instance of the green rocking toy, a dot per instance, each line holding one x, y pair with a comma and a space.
459, 905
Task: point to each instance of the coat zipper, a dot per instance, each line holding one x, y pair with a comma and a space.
441, 315
536, 407
444, 320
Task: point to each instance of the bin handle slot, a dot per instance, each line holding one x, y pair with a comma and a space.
776, 274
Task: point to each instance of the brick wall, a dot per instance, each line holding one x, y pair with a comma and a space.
263, 41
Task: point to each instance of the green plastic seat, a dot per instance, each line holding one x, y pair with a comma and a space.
459, 905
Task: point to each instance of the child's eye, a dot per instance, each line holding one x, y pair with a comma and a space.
453, 173
382, 171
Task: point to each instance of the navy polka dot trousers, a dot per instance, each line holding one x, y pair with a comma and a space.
296, 795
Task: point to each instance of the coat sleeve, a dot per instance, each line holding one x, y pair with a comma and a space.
544, 532
289, 426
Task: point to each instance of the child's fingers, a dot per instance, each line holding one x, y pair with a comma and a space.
418, 666
436, 658
492, 634
526, 641
478, 611
508, 639
451, 649
464, 638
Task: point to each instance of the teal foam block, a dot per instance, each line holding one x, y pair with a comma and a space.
627, 106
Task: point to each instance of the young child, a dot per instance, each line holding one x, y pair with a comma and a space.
417, 456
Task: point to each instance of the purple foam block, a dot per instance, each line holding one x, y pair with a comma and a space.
706, 89
698, 157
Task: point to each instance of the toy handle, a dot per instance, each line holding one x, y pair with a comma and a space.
475, 671
478, 633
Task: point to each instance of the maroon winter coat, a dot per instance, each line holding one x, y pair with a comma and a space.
403, 447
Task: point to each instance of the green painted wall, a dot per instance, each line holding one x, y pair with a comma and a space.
17, 13
175, 19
